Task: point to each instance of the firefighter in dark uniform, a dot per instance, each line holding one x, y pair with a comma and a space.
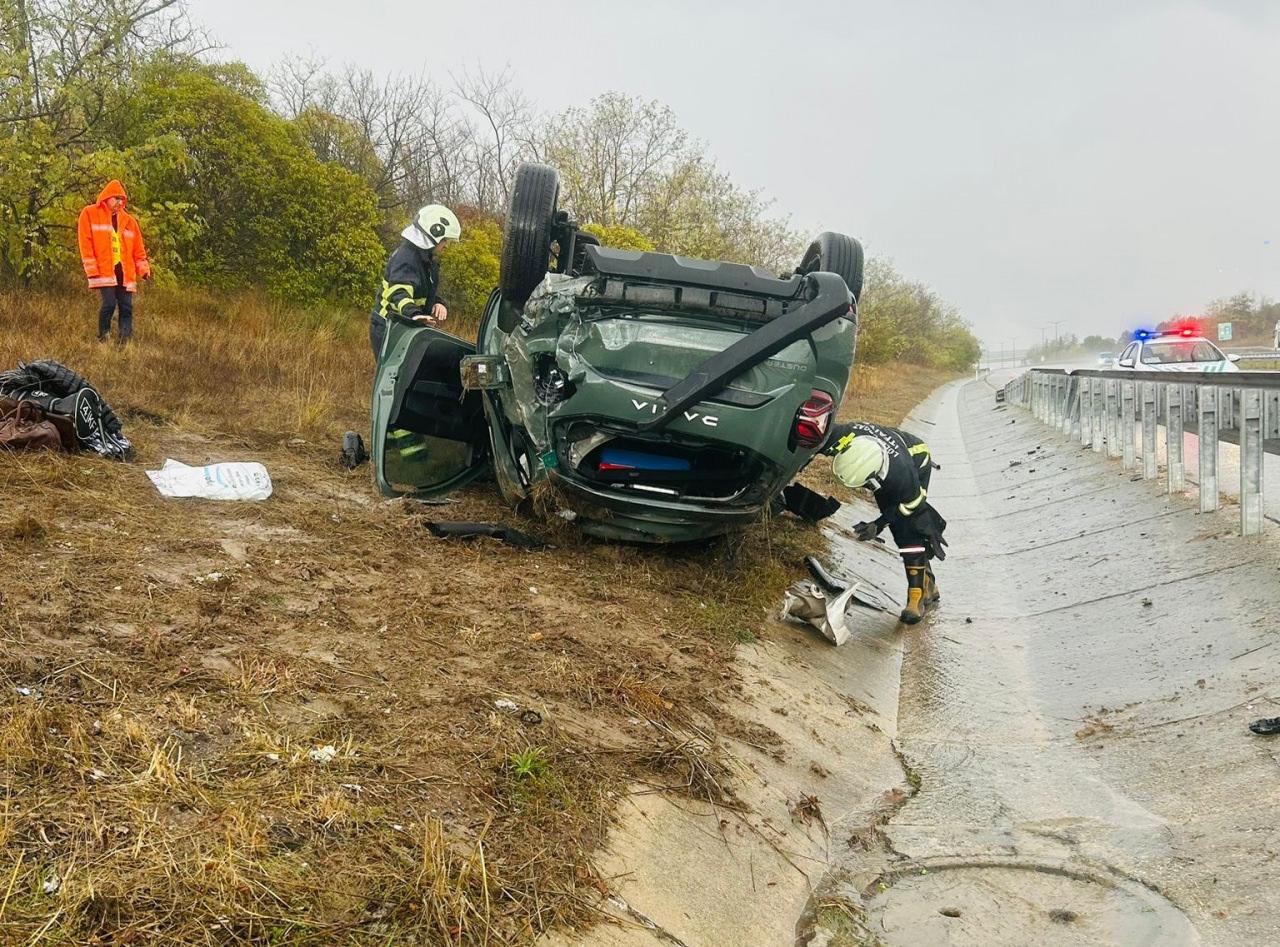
411, 280
896, 466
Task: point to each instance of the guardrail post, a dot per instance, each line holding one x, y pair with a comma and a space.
1272, 426
1173, 440
1071, 422
1251, 462
1149, 467
1113, 418
1207, 436
1127, 427
1086, 411
1097, 387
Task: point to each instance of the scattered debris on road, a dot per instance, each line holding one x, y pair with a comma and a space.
806, 602
1266, 726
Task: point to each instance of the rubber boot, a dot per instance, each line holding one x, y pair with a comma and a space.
931, 594
917, 604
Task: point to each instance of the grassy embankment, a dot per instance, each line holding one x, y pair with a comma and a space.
168, 667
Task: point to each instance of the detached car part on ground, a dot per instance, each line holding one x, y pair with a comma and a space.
658, 398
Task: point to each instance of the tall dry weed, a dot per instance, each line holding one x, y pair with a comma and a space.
231, 364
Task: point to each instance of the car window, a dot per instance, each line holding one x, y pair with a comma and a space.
1179, 352
1128, 352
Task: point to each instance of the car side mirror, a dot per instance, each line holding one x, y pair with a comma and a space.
1125, 363
1233, 358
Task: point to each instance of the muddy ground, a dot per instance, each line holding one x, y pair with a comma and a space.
307, 720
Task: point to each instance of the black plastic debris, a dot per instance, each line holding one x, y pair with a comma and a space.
353, 452
864, 593
1266, 726
463, 530
824, 578
807, 504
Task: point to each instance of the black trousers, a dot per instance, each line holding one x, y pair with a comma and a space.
113, 298
377, 333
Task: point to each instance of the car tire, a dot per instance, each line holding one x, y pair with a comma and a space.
526, 241
835, 253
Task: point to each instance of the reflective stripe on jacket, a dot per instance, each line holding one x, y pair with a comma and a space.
96, 237
410, 283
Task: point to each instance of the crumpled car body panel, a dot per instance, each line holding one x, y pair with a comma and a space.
581, 375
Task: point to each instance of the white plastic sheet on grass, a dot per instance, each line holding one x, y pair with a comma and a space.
234, 480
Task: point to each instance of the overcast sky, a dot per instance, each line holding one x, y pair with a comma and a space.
1104, 164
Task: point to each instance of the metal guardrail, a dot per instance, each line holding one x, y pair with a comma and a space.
1103, 409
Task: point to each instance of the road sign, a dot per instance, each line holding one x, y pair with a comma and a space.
1224, 332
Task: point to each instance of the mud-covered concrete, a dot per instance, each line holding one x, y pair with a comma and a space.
1075, 713
1067, 760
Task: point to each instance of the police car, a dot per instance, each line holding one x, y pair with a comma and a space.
1179, 350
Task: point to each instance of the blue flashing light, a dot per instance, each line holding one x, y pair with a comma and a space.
1142, 335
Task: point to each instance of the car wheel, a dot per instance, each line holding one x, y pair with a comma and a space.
835, 253
526, 241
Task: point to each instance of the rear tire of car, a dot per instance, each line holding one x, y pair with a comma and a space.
835, 253
526, 241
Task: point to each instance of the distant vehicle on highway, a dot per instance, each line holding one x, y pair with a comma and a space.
1106, 359
1181, 350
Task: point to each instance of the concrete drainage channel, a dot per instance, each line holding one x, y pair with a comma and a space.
1058, 756
984, 902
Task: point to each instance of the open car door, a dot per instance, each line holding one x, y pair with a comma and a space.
429, 435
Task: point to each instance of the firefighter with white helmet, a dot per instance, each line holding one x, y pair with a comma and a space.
411, 280
895, 465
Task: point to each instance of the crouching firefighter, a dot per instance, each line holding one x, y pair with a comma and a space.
411, 280
896, 466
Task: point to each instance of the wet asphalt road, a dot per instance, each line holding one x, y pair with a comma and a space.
1076, 711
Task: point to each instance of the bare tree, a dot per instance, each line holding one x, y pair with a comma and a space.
613, 155
504, 116
300, 83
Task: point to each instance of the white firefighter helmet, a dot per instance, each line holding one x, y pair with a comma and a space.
431, 225
865, 457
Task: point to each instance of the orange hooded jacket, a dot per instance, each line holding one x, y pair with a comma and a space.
96, 235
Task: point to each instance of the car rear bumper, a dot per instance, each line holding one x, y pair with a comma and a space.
614, 514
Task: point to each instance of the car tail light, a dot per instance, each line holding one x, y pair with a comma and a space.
813, 420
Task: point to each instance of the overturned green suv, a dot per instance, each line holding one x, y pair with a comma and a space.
650, 397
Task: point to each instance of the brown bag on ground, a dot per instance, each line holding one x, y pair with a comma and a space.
24, 426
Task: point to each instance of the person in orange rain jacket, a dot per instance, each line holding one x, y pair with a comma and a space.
114, 258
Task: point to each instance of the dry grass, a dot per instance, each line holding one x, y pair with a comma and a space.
165, 776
